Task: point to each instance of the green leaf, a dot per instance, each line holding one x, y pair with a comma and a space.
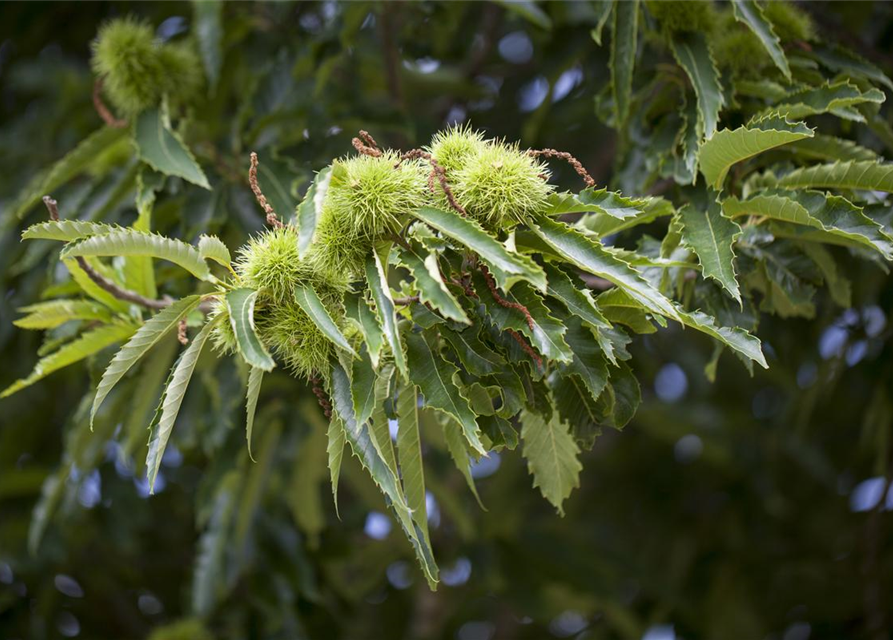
255, 378
826, 98
434, 377
507, 267
381, 295
363, 386
610, 203
736, 339
129, 242
308, 300
823, 147
602, 13
139, 274
358, 311
85, 345
529, 10
429, 282
475, 356
589, 363
240, 304
730, 146
575, 405
578, 302
693, 55
51, 314
623, 55
459, 453
335, 453
409, 452
551, 454
751, 14
163, 150
310, 209
839, 59
146, 337
172, 400
841, 175
838, 286
208, 30
590, 256
832, 214
618, 403
86, 284
212, 248
66, 230
74, 162
208, 580
711, 235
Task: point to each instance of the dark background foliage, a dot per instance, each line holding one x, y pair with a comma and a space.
754, 507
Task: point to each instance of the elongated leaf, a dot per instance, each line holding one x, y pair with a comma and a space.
618, 402
623, 55
310, 209
434, 377
212, 248
363, 387
209, 574
551, 454
589, 364
842, 175
578, 302
335, 454
51, 314
364, 318
751, 14
478, 358
409, 452
736, 339
85, 345
711, 235
66, 230
459, 453
432, 289
172, 400
240, 304
586, 254
823, 147
308, 300
381, 295
507, 267
73, 163
839, 59
603, 10
693, 55
728, 147
826, 98
209, 34
255, 378
139, 275
163, 150
146, 337
129, 242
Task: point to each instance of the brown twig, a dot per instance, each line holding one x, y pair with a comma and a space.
366, 149
571, 160
272, 218
181, 332
102, 110
436, 172
321, 396
508, 304
406, 301
527, 348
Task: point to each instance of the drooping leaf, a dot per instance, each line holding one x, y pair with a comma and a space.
824, 147
240, 304
458, 449
208, 578
363, 386
310, 209
209, 34
711, 235
384, 307
577, 301
841, 175
839, 59
826, 98
146, 337
409, 452
335, 454
551, 455
736, 339
161, 148
129, 242
212, 248
731, 146
478, 358
73, 163
85, 345
308, 300
66, 230
618, 402
429, 281
255, 378
589, 364
693, 55
625, 28
434, 377
751, 14
507, 267
51, 314
364, 318
173, 400
590, 256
